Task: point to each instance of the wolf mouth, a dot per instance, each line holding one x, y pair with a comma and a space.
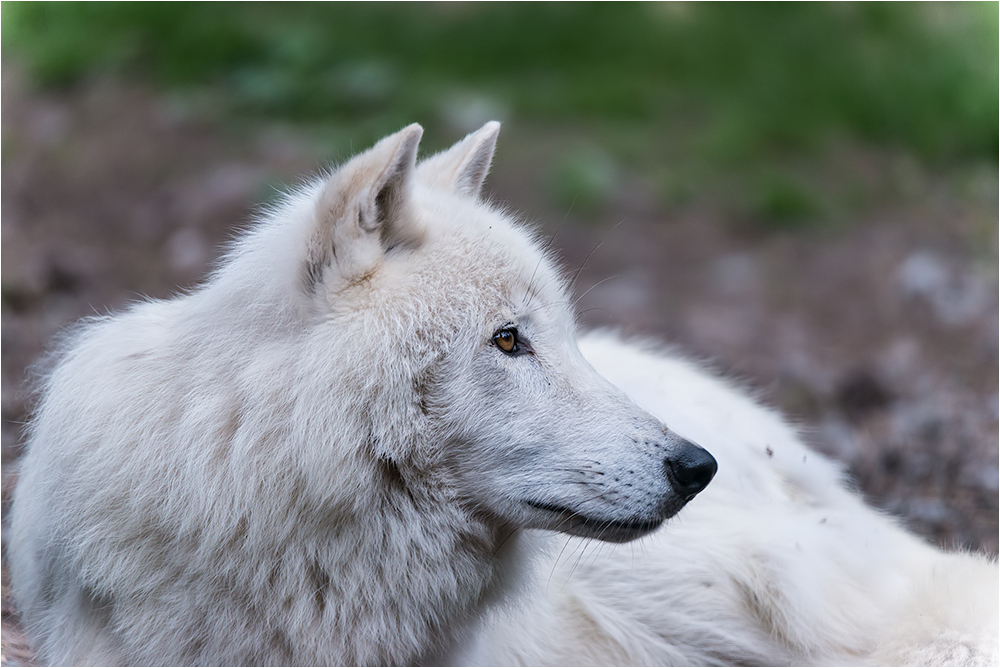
601, 528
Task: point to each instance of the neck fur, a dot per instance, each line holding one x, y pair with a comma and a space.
404, 583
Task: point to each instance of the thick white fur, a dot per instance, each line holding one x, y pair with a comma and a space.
320, 457
775, 563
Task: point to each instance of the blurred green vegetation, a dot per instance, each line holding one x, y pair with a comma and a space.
734, 87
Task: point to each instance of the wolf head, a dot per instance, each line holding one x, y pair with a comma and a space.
443, 335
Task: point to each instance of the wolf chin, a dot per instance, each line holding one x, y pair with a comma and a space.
359, 441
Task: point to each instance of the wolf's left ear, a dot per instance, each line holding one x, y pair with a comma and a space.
463, 167
363, 210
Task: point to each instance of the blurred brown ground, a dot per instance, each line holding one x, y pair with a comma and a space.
879, 338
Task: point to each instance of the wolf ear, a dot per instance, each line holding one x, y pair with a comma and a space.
363, 210
463, 167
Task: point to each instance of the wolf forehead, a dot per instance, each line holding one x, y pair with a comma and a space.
382, 231
480, 250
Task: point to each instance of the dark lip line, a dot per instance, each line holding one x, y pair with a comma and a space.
596, 525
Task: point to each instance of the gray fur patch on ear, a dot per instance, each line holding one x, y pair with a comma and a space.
361, 211
391, 187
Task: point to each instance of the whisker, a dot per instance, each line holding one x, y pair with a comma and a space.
583, 550
571, 470
603, 280
531, 281
601, 243
596, 308
512, 532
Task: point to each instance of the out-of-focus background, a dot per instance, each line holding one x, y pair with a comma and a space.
804, 196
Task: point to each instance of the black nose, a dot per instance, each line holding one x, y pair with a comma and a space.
692, 468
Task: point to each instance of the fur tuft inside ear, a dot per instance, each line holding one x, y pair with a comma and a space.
363, 211
463, 167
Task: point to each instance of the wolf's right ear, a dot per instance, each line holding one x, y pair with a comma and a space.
363, 210
463, 167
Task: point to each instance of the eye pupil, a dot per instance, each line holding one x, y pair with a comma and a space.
506, 340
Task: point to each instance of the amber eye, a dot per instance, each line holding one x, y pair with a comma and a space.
506, 339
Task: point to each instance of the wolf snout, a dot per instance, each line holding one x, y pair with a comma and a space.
691, 468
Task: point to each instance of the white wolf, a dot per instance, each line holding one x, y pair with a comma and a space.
339, 450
